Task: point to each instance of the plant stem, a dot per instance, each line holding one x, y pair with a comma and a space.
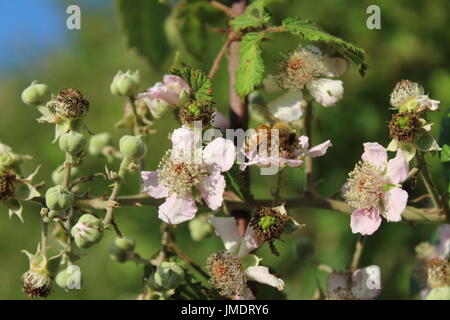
137, 123
67, 170
218, 59
426, 178
307, 127
181, 254
277, 193
357, 253
115, 192
44, 236
223, 8
165, 242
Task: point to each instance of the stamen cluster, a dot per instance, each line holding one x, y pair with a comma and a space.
268, 223
71, 104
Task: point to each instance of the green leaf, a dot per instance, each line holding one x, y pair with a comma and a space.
199, 82
236, 183
143, 23
249, 74
254, 16
445, 153
307, 30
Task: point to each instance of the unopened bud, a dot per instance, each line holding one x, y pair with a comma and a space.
58, 174
69, 278
169, 275
126, 84
35, 94
87, 231
72, 142
132, 147
58, 199
98, 143
200, 228
121, 248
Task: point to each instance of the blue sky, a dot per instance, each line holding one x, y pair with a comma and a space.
31, 28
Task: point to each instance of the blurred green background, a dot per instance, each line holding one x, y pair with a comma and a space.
413, 43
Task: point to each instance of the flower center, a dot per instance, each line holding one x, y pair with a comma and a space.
8, 183
226, 273
268, 223
299, 68
405, 127
364, 186
179, 176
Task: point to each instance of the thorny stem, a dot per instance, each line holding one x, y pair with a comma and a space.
357, 253
426, 178
238, 105
218, 59
44, 235
109, 217
307, 127
165, 242
186, 259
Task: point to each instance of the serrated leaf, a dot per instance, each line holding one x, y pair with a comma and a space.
254, 16
236, 183
307, 30
199, 82
143, 23
250, 72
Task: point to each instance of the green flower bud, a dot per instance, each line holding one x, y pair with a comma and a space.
98, 142
199, 228
69, 278
121, 248
132, 147
70, 104
126, 84
442, 293
72, 142
303, 248
35, 94
58, 199
58, 174
88, 231
168, 275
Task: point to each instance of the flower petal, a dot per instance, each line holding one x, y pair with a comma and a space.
397, 168
444, 241
262, 275
375, 153
185, 143
227, 230
425, 102
221, 153
327, 92
336, 66
220, 121
151, 186
211, 189
249, 242
319, 150
366, 221
395, 201
338, 286
177, 209
287, 107
366, 283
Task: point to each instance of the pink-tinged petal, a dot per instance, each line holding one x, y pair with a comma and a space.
162, 92
221, 153
177, 209
227, 230
220, 121
287, 107
339, 286
366, 283
375, 153
262, 275
294, 163
249, 242
304, 143
395, 201
211, 190
444, 241
319, 150
425, 102
184, 142
176, 83
327, 92
366, 221
151, 186
397, 169
246, 295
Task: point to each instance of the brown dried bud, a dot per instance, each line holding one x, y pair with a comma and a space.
71, 104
